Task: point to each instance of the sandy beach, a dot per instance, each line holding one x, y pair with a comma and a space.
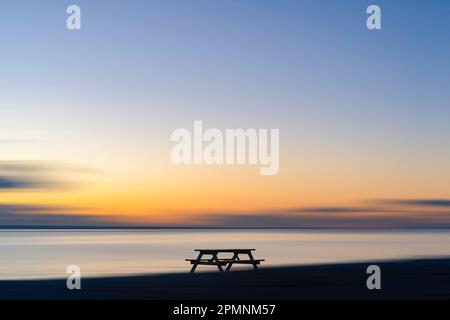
405, 279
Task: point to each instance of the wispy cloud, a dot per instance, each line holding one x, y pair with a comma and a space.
417, 202
333, 209
425, 213
40, 215
16, 183
392, 216
326, 221
25, 175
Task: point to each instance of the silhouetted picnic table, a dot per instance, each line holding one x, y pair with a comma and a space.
214, 259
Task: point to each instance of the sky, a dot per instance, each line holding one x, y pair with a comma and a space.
86, 115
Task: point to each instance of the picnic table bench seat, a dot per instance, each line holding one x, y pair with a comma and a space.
226, 261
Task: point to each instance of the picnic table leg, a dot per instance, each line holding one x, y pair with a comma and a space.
216, 259
252, 259
235, 257
196, 262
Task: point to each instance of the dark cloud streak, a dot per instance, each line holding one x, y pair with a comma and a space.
30, 175
444, 203
47, 216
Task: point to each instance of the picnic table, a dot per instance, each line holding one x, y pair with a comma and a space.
221, 263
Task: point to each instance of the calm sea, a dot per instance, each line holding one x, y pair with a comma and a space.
40, 254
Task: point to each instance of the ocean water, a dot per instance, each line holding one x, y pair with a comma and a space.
43, 254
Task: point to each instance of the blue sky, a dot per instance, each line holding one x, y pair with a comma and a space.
107, 96
312, 59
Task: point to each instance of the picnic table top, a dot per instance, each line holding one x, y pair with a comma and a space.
224, 250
